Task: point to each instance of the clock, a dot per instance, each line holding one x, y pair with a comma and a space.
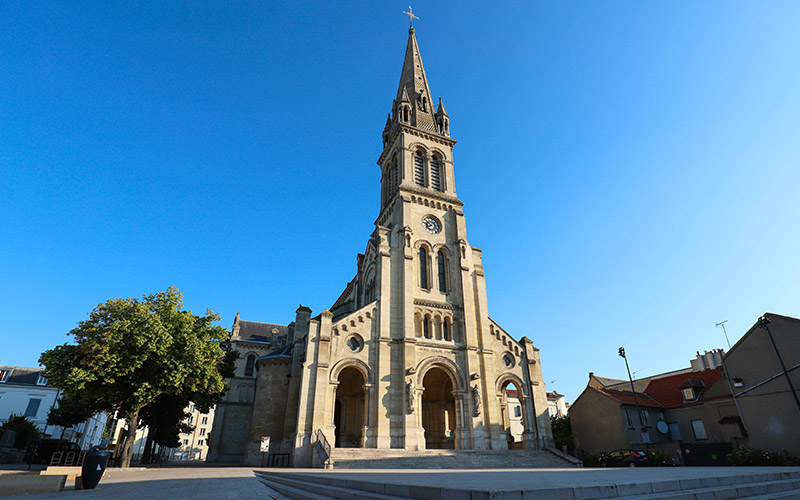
431, 224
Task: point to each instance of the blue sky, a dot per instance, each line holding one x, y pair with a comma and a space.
630, 169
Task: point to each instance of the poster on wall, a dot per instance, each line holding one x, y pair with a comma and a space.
264, 444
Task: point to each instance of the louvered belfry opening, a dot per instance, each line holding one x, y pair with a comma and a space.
436, 175
419, 169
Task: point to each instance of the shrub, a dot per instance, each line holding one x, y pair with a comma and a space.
591, 461
660, 458
26, 430
755, 457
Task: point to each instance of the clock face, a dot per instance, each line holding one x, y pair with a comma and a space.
431, 224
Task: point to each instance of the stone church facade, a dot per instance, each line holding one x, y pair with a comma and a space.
407, 357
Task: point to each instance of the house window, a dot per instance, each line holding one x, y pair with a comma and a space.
426, 327
191, 408
628, 419
33, 407
3, 375
661, 416
419, 169
41, 380
517, 411
423, 268
446, 330
688, 394
204, 421
442, 277
645, 415
436, 174
202, 431
249, 365
190, 419
199, 442
185, 442
699, 429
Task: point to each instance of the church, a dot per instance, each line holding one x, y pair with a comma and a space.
407, 357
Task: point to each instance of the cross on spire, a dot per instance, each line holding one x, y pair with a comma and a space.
410, 15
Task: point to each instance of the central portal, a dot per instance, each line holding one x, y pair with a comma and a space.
438, 410
349, 409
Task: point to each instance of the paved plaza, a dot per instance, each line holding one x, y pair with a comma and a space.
206, 483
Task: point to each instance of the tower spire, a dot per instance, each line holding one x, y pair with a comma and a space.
414, 86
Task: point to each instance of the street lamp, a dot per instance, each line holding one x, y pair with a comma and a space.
635, 399
763, 323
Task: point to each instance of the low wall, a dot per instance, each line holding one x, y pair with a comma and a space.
27, 483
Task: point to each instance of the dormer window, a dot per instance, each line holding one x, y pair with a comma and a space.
3, 376
41, 380
691, 389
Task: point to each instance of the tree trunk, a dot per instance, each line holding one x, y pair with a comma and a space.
127, 446
147, 455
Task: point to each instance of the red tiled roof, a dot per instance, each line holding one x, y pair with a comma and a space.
666, 392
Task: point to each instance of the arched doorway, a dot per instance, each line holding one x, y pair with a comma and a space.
349, 409
438, 410
513, 416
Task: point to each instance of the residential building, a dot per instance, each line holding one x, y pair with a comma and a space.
770, 409
26, 391
556, 405
194, 444
689, 413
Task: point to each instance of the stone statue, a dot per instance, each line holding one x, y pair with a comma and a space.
476, 401
410, 395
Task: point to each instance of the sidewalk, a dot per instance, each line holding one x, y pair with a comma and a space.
195, 483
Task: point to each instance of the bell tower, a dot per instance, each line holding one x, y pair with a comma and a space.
417, 148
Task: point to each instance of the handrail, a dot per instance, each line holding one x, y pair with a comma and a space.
324, 447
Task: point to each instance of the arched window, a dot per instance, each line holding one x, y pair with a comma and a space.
249, 365
442, 271
436, 174
419, 169
426, 327
423, 268
446, 333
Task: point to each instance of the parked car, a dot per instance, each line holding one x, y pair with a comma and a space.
624, 458
42, 451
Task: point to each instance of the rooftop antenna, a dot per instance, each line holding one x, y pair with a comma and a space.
637, 371
722, 324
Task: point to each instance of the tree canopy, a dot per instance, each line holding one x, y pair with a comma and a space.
130, 352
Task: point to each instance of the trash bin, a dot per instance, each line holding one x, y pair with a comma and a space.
94, 464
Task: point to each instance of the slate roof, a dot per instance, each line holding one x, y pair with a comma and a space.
666, 392
260, 332
22, 375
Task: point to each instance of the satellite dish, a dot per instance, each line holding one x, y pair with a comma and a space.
662, 427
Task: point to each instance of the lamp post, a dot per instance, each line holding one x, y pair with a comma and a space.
763, 323
635, 399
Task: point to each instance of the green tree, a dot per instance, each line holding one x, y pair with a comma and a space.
26, 430
129, 352
69, 411
165, 421
562, 432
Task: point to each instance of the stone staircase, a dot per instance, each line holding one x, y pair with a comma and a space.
309, 486
372, 458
